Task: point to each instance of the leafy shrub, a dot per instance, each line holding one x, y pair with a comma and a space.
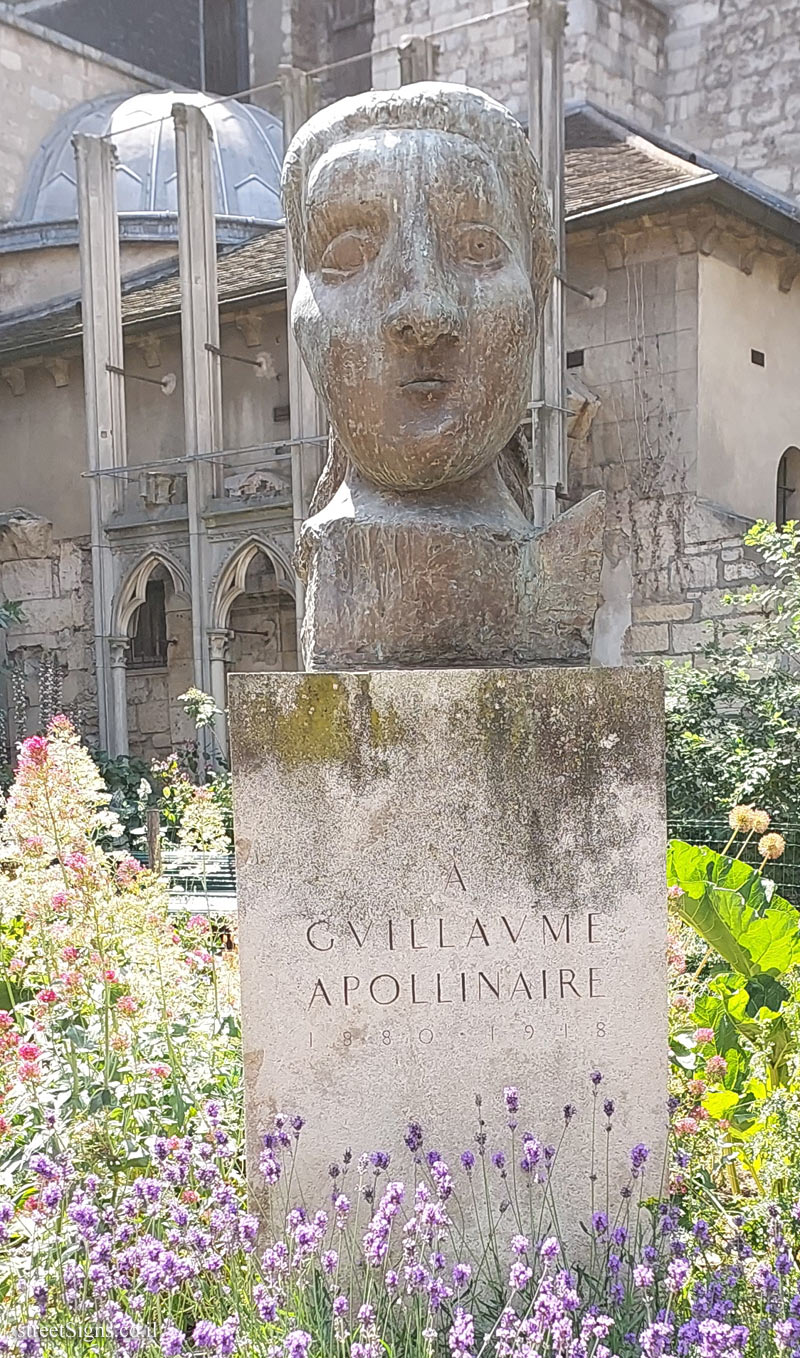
733, 724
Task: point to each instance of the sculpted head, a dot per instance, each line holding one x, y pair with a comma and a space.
425, 250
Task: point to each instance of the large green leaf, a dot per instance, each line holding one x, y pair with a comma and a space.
726, 902
765, 992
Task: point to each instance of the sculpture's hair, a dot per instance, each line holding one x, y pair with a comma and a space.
439, 108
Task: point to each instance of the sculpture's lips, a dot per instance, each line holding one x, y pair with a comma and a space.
425, 386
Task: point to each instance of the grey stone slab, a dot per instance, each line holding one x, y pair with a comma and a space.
451, 881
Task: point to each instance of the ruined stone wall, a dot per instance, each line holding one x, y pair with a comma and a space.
733, 84
49, 654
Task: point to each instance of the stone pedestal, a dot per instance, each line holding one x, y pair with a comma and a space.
450, 881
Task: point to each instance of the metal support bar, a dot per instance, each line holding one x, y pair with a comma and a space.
260, 363
234, 358
167, 383
588, 293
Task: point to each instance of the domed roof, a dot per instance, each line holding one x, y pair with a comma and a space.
246, 156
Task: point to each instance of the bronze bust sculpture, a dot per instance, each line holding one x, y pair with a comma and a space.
425, 251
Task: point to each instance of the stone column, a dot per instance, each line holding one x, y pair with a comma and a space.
306, 416
417, 58
96, 162
546, 20
118, 655
218, 639
202, 385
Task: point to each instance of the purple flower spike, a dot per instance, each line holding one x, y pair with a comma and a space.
468, 1161
461, 1338
639, 1155
380, 1159
296, 1344
569, 1112
596, 1078
413, 1137
171, 1341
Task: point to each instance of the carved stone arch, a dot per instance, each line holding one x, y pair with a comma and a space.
132, 592
232, 578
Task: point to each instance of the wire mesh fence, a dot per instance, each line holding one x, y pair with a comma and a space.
784, 871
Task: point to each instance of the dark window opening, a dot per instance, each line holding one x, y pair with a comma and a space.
226, 46
757, 357
787, 499
575, 358
149, 641
280, 414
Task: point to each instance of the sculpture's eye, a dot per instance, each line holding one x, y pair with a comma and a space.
345, 255
479, 245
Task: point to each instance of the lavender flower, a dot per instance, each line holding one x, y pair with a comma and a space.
639, 1155
413, 1137
461, 1338
296, 1344
172, 1341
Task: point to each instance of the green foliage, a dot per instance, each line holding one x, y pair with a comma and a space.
728, 904
733, 725
735, 1030
10, 612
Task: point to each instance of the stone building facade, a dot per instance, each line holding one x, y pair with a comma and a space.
682, 316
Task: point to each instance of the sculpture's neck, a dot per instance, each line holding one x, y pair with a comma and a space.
484, 496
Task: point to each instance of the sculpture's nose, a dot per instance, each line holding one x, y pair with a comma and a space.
424, 312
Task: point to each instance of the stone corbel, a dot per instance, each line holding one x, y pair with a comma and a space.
150, 346
15, 377
685, 240
612, 248
708, 240
748, 257
250, 325
788, 269
59, 370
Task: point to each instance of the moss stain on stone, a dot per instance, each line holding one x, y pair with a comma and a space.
324, 722
313, 728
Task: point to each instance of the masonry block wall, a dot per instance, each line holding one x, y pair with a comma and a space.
722, 76
733, 86
614, 53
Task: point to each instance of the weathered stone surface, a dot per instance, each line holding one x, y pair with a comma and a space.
449, 881
425, 251
24, 536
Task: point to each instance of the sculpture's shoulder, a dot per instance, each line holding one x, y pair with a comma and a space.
394, 584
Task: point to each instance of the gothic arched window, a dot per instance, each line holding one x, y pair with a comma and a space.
149, 640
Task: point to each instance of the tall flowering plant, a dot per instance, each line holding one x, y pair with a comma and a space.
116, 1020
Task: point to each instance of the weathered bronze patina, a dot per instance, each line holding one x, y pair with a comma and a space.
425, 250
